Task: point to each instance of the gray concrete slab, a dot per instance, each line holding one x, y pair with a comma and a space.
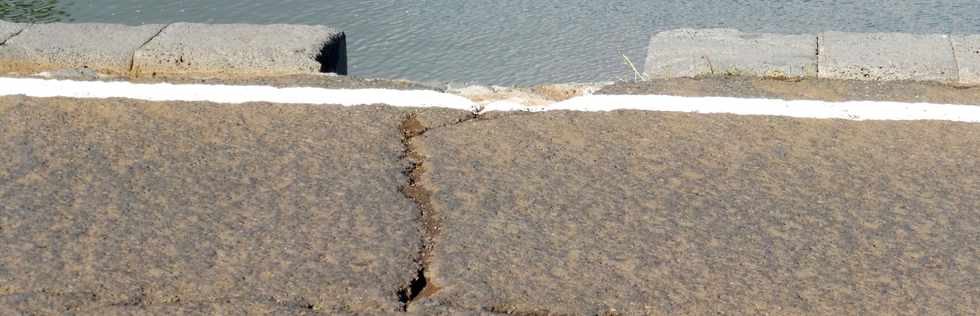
8, 29
224, 50
886, 56
704, 52
105, 48
155, 203
966, 48
646, 213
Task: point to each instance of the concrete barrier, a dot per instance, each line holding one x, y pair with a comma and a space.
242, 49
691, 53
8, 29
105, 48
967, 51
887, 56
175, 50
830, 55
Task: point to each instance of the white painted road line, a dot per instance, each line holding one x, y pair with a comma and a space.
230, 94
852, 110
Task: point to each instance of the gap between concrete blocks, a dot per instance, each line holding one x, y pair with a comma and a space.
132, 57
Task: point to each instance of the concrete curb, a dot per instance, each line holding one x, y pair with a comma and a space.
953, 59
689, 53
966, 48
105, 48
886, 57
175, 50
8, 30
241, 49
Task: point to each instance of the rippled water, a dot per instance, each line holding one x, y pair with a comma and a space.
530, 41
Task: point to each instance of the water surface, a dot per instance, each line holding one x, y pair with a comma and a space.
529, 41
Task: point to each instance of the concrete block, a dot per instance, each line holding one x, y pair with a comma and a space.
8, 29
966, 48
241, 49
886, 56
691, 53
106, 48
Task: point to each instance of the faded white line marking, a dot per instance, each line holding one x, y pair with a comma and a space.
230, 94
853, 110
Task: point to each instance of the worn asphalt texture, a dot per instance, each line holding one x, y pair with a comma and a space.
666, 213
155, 208
116, 203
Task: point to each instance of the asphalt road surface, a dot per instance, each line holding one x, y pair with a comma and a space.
127, 203
131, 207
668, 213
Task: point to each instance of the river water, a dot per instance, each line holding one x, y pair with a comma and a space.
520, 41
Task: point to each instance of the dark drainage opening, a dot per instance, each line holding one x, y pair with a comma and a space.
333, 55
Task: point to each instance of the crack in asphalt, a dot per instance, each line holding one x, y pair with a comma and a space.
421, 286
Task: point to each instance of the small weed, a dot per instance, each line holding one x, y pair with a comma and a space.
711, 67
637, 75
733, 71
